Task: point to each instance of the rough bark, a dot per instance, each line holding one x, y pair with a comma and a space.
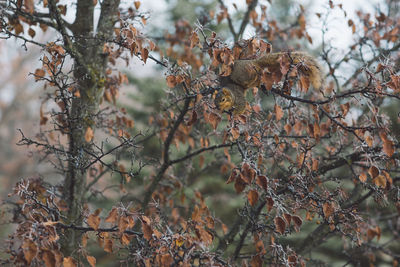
90, 65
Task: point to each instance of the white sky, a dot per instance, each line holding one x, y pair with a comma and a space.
339, 34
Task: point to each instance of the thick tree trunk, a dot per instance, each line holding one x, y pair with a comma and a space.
89, 74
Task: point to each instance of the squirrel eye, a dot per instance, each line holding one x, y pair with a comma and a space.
223, 99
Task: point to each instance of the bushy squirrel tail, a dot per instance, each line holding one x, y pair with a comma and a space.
309, 65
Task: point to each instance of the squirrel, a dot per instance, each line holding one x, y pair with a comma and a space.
247, 73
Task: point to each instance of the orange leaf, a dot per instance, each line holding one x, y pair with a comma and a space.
278, 112
123, 224
89, 134
288, 128
350, 22
214, 120
93, 221
369, 141
270, 203
31, 32
171, 81
147, 231
39, 73
252, 196
372, 232
145, 54
69, 262
315, 163
240, 185
345, 108
18, 28
48, 258
137, 4
235, 133
248, 173
77, 94
146, 219
388, 147
194, 39
363, 177
84, 240
166, 260
30, 250
302, 21
108, 245
256, 261
298, 127
373, 171
288, 218
328, 209
380, 181
317, 131
91, 260
280, 225
29, 6
232, 177
112, 216
107, 96
297, 222
262, 182
125, 239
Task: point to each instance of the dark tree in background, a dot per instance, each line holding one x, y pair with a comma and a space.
160, 177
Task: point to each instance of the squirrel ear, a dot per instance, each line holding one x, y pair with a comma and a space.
226, 91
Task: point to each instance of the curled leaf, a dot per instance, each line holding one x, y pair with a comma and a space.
280, 224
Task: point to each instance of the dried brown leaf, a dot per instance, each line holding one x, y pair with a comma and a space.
297, 221
30, 250
39, 73
380, 181
147, 231
48, 258
280, 224
93, 221
252, 196
362, 177
373, 171
91, 260
69, 262
108, 245
328, 209
171, 81
240, 184
278, 112
89, 134
112, 216
235, 133
270, 203
262, 181
214, 120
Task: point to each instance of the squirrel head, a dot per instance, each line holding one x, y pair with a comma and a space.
230, 98
224, 100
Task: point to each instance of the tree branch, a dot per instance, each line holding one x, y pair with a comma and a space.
166, 161
246, 18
